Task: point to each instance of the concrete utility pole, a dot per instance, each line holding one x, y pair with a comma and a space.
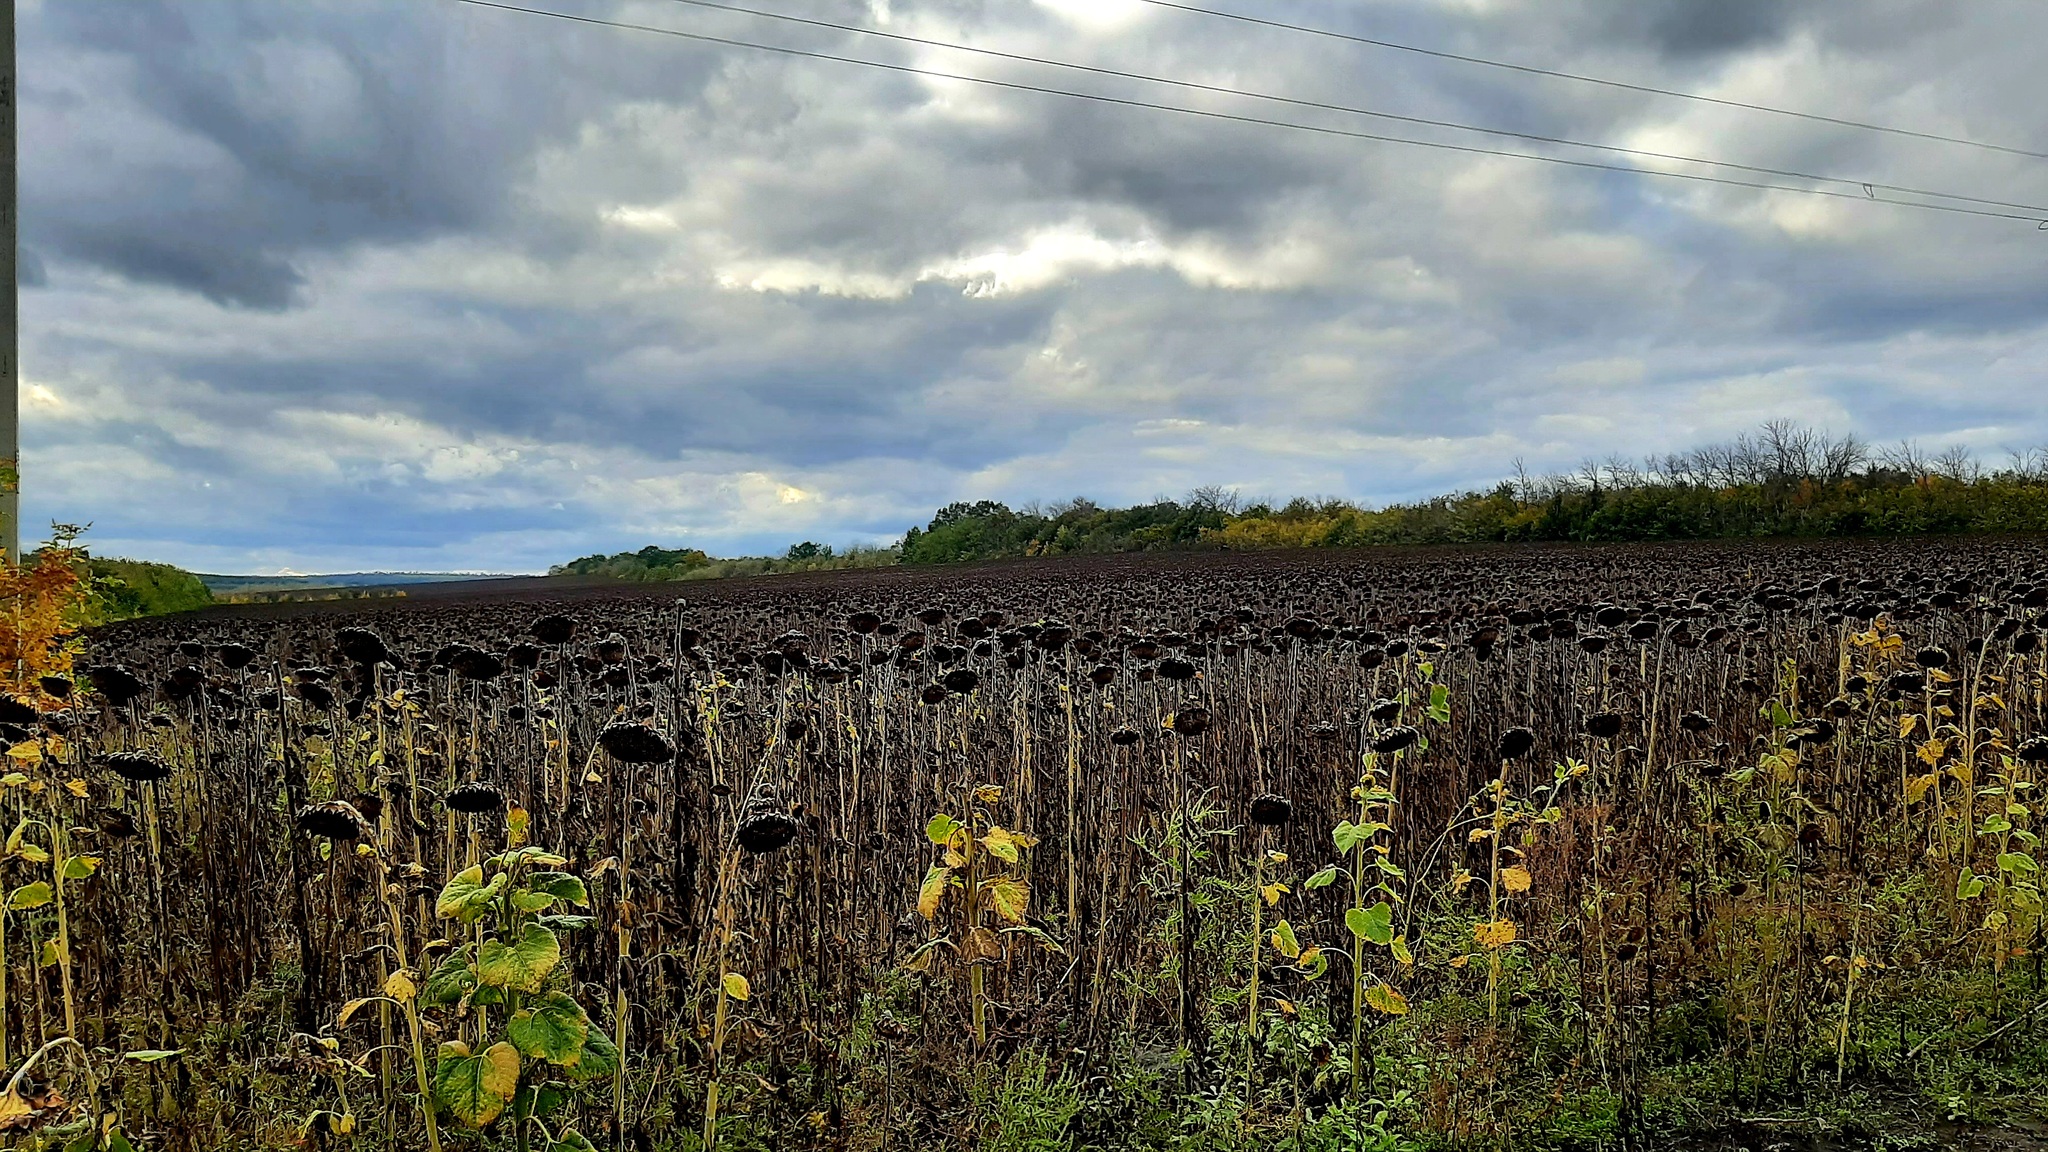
10, 304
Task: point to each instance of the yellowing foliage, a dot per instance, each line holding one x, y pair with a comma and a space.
933, 890
1383, 998
41, 602
1494, 934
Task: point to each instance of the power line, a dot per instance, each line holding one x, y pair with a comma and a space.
1225, 90
1621, 84
1236, 118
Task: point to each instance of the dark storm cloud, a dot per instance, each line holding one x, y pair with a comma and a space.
1689, 29
281, 131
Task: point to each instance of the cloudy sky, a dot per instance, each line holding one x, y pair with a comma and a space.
418, 285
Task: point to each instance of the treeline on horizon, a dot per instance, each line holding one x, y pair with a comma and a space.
652, 563
117, 589
1784, 480
125, 589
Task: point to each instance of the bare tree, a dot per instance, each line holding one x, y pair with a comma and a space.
1622, 472
1906, 457
1215, 498
1779, 453
1749, 461
1841, 458
2031, 466
1956, 462
1790, 452
1715, 465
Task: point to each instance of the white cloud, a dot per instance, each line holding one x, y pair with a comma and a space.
1097, 16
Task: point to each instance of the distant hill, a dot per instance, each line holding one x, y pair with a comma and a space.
225, 586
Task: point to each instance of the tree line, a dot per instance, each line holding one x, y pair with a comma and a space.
1783, 480
652, 563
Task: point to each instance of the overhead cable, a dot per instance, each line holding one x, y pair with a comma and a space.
1423, 121
1624, 85
1260, 121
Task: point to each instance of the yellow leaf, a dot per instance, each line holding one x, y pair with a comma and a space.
1005, 843
933, 890
1907, 724
1494, 934
1917, 787
1284, 941
736, 987
1009, 895
348, 1010
78, 788
1478, 834
501, 1071
13, 1110
1932, 751
989, 793
1515, 879
1273, 892
1383, 998
400, 987
28, 752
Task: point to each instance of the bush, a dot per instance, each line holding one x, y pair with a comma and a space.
125, 589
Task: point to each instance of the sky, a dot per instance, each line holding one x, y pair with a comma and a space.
418, 285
